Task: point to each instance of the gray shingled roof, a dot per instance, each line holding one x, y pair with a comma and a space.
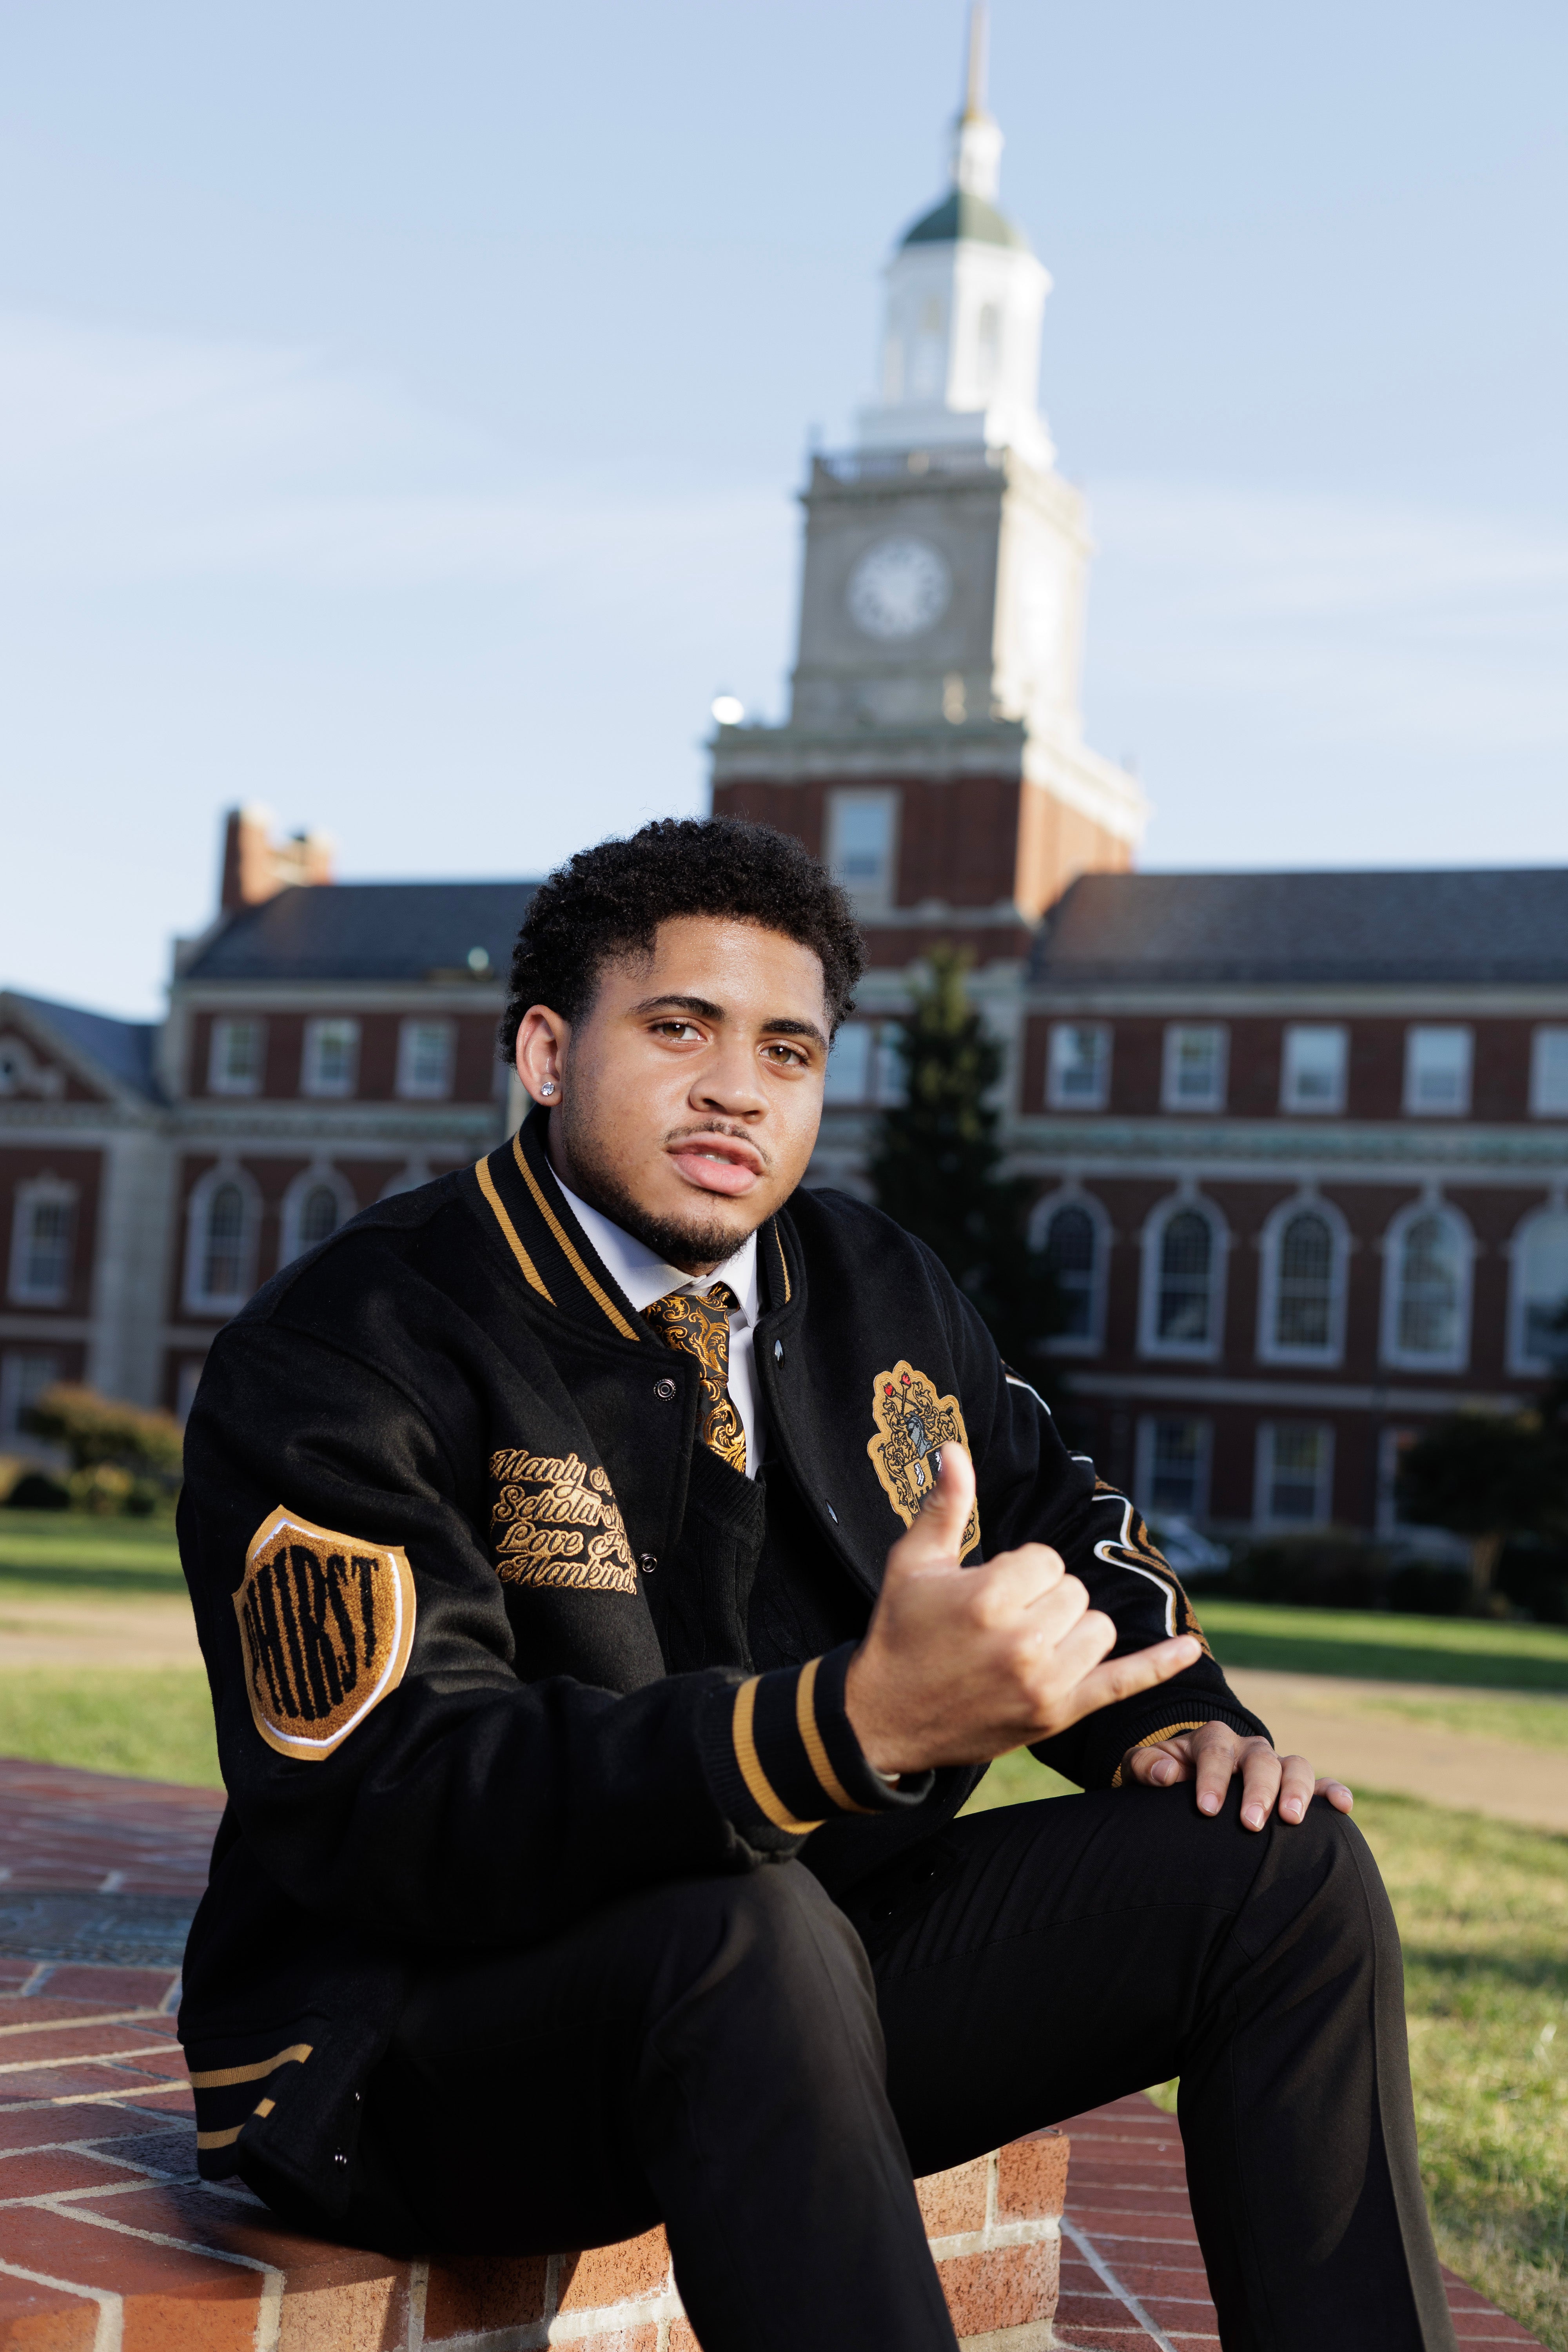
124, 1049
1499, 926
366, 931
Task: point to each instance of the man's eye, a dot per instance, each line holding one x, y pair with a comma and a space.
678, 1030
786, 1054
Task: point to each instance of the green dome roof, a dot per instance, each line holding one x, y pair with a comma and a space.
960, 215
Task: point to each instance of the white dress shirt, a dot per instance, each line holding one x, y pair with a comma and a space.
644, 1277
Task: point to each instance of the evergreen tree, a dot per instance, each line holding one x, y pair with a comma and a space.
935, 1165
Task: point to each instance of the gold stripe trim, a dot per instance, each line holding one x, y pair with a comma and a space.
1153, 1739
220, 2139
529, 1271
752, 1772
568, 1250
783, 1262
812, 1740
221, 2077
264, 2107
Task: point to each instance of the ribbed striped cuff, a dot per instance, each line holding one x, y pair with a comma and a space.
780, 1748
1165, 1723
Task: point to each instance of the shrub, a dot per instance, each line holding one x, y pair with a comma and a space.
123, 1458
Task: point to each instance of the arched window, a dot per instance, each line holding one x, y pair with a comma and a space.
220, 1254
1186, 1261
1426, 1301
1072, 1253
318, 1215
1303, 1294
1184, 1271
221, 1258
1540, 1334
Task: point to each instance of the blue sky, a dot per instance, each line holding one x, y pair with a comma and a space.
401, 409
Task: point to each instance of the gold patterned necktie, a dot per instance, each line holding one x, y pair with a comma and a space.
701, 1327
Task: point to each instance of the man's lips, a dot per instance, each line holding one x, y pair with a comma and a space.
718, 1163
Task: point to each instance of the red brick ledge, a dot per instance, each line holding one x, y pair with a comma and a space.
109, 2243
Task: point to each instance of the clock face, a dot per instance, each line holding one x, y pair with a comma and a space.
899, 587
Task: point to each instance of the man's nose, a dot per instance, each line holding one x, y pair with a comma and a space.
730, 1082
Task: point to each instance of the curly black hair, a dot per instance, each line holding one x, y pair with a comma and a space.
613, 897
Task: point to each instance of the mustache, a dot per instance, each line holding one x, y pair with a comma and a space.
722, 1127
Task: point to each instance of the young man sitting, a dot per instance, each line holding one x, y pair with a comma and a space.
615, 1566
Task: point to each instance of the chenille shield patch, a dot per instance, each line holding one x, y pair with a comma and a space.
555, 1521
326, 1623
912, 1422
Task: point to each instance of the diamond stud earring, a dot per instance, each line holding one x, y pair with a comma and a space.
547, 1086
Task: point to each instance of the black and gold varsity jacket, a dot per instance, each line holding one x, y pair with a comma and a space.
491, 1639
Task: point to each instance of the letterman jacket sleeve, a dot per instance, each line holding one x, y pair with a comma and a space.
384, 1762
1031, 1490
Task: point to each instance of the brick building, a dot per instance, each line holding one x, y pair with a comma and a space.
1300, 1140
325, 1043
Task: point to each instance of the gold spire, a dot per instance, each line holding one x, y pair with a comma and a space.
974, 87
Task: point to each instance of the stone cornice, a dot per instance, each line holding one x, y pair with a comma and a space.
1409, 1152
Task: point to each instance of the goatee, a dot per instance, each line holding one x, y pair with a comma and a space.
691, 1244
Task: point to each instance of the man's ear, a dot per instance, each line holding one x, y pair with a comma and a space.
543, 1039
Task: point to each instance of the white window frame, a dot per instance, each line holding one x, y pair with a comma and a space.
410, 1087
1072, 1196
1057, 1064
1287, 1072
33, 1192
1520, 1359
1269, 1242
1143, 1461
1263, 1476
1550, 1039
1205, 1351
1170, 1062
198, 1301
220, 1080
1422, 1029
311, 1081
320, 1172
878, 897
1456, 1358
16, 1392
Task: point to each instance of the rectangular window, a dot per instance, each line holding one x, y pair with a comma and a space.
1079, 1074
1549, 1073
1438, 1071
862, 842
331, 1057
1173, 1467
41, 1247
865, 1065
1314, 1075
24, 1377
1295, 1474
1195, 1069
237, 1060
425, 1055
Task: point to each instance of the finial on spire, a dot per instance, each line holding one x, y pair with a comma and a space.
977, 142
975, 88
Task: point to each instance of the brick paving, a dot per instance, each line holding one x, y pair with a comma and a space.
108, 2241
1132, 2274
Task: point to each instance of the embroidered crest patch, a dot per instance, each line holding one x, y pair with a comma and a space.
326, 1623
555, 1521
912, 1421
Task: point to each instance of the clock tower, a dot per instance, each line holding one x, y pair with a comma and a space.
934, 750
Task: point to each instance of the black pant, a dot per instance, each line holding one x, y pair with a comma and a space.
759, 2068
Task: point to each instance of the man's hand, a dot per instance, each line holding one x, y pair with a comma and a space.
1211, 1755
961, 1664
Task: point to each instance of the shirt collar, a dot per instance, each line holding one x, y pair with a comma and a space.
644, 1277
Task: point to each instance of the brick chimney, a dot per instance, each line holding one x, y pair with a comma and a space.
256, 868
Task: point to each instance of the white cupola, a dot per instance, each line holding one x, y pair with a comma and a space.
966, 299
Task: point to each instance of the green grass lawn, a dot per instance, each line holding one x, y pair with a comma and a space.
58, 1552
155, 1721
1385, 1647
1483, 1913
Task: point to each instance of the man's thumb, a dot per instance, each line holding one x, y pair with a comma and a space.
938, 1531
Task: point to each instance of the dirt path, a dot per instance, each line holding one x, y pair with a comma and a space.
1330, 1720
148, 1632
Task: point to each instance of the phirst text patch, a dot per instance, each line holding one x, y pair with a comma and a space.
912, 1422
555, 1521
326, 1623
